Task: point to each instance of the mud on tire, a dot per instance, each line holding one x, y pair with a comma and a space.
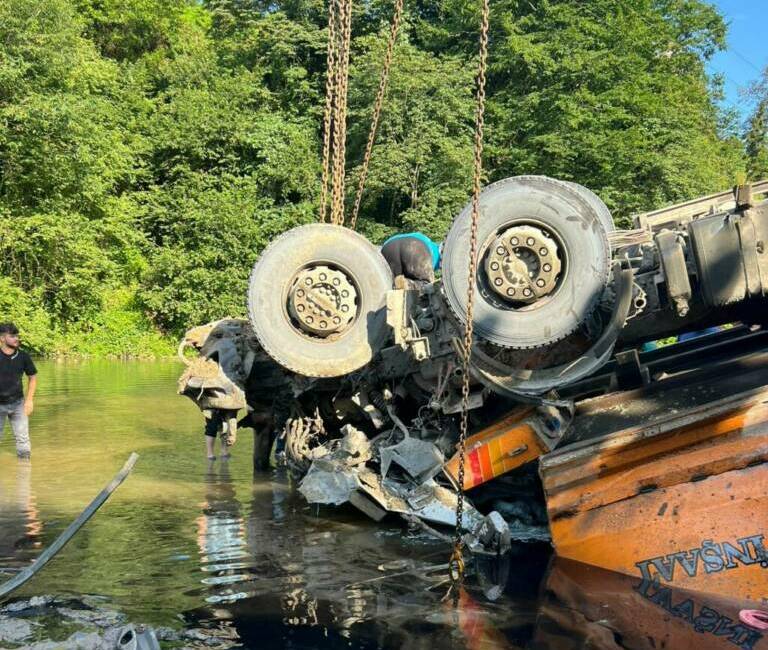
274, 276
579, 222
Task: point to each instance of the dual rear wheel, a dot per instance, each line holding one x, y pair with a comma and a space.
317, 294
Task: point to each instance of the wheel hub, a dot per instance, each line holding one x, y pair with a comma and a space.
323, 301
523, 264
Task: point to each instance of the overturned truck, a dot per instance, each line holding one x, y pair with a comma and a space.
359, 373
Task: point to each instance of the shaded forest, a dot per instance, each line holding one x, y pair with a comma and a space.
149, 149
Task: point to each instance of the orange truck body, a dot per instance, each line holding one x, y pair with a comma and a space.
664, 483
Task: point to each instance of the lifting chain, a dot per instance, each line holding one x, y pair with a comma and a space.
330, 84
335, 115
340, 113
384, 79
456, 563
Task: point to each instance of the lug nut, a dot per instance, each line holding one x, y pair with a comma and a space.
530, 241
547, 268
323, 324
494, 266
527, 292
501, 250
540, 282
345, 308
310, 319
511, 292
300, 308
515, 241
498, 282
543, 251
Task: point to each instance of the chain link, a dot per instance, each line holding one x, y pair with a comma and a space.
340, 113
383, 81
330, 84
457, 576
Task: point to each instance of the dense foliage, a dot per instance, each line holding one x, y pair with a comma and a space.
756, 136
150, 148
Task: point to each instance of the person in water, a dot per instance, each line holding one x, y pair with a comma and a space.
412, 255
14, 363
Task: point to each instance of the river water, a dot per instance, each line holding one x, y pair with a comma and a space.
185, 541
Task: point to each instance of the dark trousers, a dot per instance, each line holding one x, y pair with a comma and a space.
409, 257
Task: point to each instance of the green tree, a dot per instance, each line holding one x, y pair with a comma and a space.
149, 149
756, 134
611, 94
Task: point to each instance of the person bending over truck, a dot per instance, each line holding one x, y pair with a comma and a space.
412, 255
13, 364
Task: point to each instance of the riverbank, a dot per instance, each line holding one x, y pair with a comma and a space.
91, 623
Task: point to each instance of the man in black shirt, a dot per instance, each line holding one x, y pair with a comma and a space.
13, 364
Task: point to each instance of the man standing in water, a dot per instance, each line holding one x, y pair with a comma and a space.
13, 364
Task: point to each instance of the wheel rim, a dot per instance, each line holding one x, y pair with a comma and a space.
523, 264
322, 301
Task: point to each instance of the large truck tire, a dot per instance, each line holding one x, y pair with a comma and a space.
317, 300
544, 261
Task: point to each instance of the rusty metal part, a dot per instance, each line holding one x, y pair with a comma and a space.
303, 435
323, 300
377, 104
689, 462
215, 379
505, 379
523, 264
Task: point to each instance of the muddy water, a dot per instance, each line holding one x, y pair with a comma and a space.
185, 541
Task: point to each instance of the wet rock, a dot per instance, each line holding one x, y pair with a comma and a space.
96, 617
221, 638
87, 641
167, 634
77, 641
14, 630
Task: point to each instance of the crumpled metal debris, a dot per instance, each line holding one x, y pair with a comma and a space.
421, 459
340, 472
491, 535
328, 482
330, 479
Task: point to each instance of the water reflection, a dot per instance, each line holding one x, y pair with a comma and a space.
280, 574
221, 536
20, 525
587, 607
